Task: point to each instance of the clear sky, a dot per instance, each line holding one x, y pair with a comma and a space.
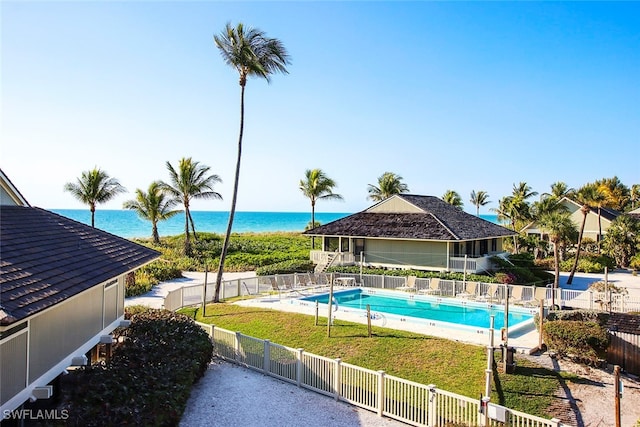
449, 95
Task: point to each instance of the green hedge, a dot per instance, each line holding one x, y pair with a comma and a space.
286, 267
149, 378
584, 342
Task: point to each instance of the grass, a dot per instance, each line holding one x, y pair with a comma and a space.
452, 366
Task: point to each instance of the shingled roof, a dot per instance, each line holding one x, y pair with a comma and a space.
46, 258
434, 219
626, 323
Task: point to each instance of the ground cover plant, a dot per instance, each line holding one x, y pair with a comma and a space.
451, 365
149, 378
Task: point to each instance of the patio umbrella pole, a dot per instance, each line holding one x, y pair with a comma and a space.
489, 370
330, 304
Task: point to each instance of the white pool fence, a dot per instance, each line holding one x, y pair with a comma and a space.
293, 285
388, 396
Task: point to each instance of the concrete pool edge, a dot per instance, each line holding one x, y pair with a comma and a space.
523, 342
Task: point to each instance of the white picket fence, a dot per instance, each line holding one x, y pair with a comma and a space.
388, 396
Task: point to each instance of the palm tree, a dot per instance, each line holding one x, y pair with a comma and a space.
453, 198
558, 225
154, 206
634, 195
388, 184
560, 189
622, 240
616, 194
481, 198
190, 181
585, 196
317, 186
93, 187
251, 53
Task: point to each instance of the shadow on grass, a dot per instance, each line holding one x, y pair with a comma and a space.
527, 371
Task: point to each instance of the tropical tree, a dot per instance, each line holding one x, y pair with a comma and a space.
453, 198
191, 180
251, 53
585, 196
481, 198
622, 240
560, 189
616, 194
155, 205
634, 195
558, 225
389, 184
93, 187
316, 185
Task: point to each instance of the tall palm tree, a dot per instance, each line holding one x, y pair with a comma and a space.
316, 185
558, 225
93, 187
190, 181
481, 198
622, 241
388, 184
155, 205
453, 198
251, 53
585, 196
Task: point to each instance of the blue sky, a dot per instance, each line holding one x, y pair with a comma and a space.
449, 95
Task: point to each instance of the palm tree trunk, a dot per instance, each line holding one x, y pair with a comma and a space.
154, 233
313, 223
232, 213
575, 262
193, 227
187, 243
93, 214
599, 229
556, 279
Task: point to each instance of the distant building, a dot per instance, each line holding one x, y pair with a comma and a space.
592, 228
410, 232
62, 287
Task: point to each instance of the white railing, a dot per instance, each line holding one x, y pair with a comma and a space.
393, 397
323, 257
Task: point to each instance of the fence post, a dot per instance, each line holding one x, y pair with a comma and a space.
237, 355
590, 300
381, 397
555, 422
431, 406
299, 371
337, 381
181, 297
239, 289
266, 362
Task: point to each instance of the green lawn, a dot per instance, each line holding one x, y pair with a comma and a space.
451, 365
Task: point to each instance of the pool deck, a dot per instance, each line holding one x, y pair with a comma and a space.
522, 342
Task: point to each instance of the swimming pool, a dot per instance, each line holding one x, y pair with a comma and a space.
448, 312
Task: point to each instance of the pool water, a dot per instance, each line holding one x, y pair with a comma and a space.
464, 313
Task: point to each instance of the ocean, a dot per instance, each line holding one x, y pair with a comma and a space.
128, 224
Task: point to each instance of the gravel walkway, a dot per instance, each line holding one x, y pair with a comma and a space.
230, 395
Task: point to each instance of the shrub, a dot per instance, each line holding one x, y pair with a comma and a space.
149, 378
506, 278
599, 317
635, 262
582, 341
285, 267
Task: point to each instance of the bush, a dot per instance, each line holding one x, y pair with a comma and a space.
506, 278
285, 267
635, 262
599, 317
582, 341
585, 265
149, 378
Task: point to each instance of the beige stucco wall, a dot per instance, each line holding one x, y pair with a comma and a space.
406, 253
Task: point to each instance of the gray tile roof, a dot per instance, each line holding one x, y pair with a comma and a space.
437, 221
46, 258
625, 323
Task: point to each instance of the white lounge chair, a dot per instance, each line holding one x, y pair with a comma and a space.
492, 290
434, 287
410, 284
469, 291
